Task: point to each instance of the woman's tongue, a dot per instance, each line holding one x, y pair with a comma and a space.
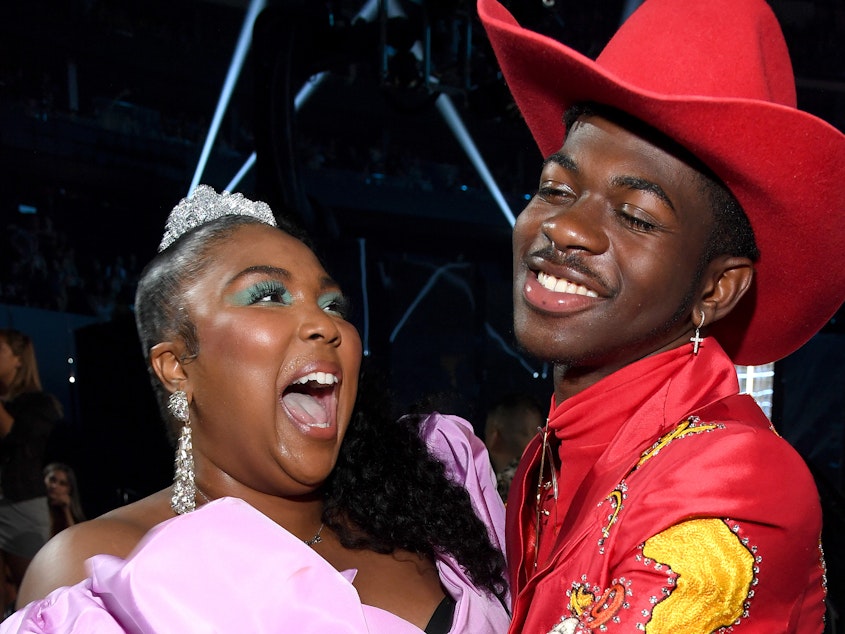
306, 409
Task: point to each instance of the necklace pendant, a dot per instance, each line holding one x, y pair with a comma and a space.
317, 537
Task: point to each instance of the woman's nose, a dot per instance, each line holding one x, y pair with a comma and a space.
319, 325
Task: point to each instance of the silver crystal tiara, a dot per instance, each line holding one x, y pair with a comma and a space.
205, 205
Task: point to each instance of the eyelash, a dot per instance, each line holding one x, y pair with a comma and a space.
549, 192
337, 304
267, 289
637, 223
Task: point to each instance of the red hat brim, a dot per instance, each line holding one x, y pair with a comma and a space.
786, 168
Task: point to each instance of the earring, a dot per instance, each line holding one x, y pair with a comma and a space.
697, 339
184, 489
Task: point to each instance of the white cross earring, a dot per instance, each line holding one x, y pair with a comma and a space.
697, 339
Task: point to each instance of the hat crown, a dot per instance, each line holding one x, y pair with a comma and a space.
719, 48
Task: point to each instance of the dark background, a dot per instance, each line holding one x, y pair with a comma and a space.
104, 109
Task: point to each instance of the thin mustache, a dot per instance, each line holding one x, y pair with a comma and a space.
569, 260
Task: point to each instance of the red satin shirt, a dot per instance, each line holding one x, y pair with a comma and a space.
676, 508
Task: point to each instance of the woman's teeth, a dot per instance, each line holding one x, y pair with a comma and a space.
323, 378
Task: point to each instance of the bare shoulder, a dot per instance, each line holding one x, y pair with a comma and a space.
61, 562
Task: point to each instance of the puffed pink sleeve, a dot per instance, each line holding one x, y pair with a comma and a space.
453, 442
70, 610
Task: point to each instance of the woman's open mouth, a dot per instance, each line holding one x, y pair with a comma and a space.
311, 399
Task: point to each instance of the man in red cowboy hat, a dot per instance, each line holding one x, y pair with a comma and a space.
686, 221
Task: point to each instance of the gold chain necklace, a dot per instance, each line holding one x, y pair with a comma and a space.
545, 451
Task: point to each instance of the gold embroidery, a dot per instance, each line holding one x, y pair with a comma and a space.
580, 600
715, 572
616, 496
683, 429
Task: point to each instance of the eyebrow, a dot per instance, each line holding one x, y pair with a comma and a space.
564, 160
274, 271
641, 184
628, 182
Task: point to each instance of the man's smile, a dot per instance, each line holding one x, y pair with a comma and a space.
561, 285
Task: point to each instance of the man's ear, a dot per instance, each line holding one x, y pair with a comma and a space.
165, 362
728, 278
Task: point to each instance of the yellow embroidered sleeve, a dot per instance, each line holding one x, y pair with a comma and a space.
715, 571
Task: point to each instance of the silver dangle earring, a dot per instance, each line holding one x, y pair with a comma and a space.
184, 489
697, 339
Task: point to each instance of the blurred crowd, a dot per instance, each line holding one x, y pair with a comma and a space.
39, 267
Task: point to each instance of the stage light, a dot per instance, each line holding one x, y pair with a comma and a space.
453, 120
255, 7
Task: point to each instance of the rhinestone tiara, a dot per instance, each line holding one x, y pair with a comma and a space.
205, 205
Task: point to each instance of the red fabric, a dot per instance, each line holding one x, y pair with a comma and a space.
716, 77
740, 472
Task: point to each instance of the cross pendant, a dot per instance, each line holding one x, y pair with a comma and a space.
696, 342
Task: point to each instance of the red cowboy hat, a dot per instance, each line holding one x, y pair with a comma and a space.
716, 77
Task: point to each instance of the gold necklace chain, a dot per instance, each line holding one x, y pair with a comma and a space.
545, 451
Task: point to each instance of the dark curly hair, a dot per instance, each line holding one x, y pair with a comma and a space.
387, 492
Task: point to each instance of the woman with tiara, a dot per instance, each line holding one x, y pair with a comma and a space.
293, 508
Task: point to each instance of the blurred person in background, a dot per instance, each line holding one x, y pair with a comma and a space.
510, 425
63, 497
27, 417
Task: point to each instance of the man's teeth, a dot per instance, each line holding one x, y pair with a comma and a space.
559, 285
323, 378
